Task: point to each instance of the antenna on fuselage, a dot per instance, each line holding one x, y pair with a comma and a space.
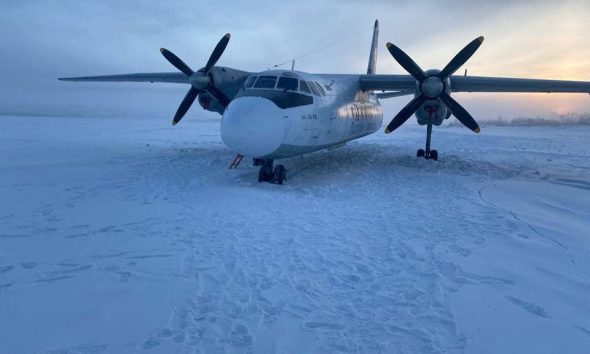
323, 48
293, 65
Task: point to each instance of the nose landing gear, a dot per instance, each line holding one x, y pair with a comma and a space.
278, 175
428, 154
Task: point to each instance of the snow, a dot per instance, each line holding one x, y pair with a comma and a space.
130, 236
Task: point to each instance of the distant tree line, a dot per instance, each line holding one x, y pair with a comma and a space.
558, 119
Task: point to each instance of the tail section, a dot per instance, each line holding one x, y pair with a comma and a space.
373, 56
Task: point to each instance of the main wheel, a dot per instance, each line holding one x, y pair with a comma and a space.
279, 175
261, 175
420, 153
434, 155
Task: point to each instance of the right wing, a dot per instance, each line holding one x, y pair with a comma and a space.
176, 78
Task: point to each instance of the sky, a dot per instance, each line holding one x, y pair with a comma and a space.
43, 40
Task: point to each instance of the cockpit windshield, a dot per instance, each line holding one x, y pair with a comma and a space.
285, 82
249, 82
303, 87
266, 82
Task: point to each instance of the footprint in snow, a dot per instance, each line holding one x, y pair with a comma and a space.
4, 269
80, 349
323, 325
28, 265
529, 307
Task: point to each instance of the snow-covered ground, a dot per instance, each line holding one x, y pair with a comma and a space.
129, 236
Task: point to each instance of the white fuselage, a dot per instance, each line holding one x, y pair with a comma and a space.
274, 123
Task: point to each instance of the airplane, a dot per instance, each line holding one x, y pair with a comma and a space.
277, 114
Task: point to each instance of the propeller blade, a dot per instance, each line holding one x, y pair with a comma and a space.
217, 52
405, 113
219, 96
185, 105
174, 60
461, 58
460, 113
406, 62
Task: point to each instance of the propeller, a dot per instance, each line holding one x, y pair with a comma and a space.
433, 86
200, 80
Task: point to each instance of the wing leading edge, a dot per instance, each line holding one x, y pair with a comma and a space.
501, 84
476, 84
176, 78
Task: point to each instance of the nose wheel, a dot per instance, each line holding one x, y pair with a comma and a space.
276, 175
428, 154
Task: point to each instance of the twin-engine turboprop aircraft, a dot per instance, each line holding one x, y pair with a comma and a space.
278, 114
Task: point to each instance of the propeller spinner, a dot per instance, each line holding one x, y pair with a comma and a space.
200, 80
433, 86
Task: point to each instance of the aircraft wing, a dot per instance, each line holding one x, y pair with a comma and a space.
475, 84
388, 82
392, 94
177, 78
501, 84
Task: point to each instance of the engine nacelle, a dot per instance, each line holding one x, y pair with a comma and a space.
228, 80
432, 112
209, 103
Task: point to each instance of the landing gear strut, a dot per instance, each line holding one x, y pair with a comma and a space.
428, 154
278, 175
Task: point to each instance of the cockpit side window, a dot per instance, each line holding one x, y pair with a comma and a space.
313, 88
250, 81
267, 82
321, 89
287, 83
303, 87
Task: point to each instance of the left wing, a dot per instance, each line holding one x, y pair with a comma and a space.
176, 78
501, 84
392, 94
475, 84
387, 82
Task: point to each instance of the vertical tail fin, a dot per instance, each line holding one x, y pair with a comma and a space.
373, 56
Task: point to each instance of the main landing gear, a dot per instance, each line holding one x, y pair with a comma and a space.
278, 175
428, 154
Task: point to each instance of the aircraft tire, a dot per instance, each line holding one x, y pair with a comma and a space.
420, 153
434, 155
263, 176
279, 175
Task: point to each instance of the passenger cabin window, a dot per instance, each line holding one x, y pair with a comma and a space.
267, 82
249, 82
287, 83
313, 88
303, 87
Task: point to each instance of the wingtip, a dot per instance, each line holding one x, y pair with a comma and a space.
387, 131
227, 35
389, 45
477, 130
174, 123
162, 50
480, 39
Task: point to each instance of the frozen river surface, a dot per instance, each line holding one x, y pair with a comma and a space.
130, 236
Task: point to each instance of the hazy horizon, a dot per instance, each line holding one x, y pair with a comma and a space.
43, 41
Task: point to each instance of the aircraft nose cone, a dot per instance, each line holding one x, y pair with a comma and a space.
253, 126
